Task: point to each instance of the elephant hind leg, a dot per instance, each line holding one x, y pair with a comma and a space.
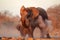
44, 34
48, 36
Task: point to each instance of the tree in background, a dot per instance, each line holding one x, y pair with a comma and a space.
54, 15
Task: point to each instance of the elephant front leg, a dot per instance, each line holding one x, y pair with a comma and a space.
31, 30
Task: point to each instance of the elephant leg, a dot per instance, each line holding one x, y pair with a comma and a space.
44, 33
48, 36
31, 30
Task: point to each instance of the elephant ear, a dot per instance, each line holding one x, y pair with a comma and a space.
22, 10
35, 12
23, 13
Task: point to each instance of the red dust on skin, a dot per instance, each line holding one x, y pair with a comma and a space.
30, 28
